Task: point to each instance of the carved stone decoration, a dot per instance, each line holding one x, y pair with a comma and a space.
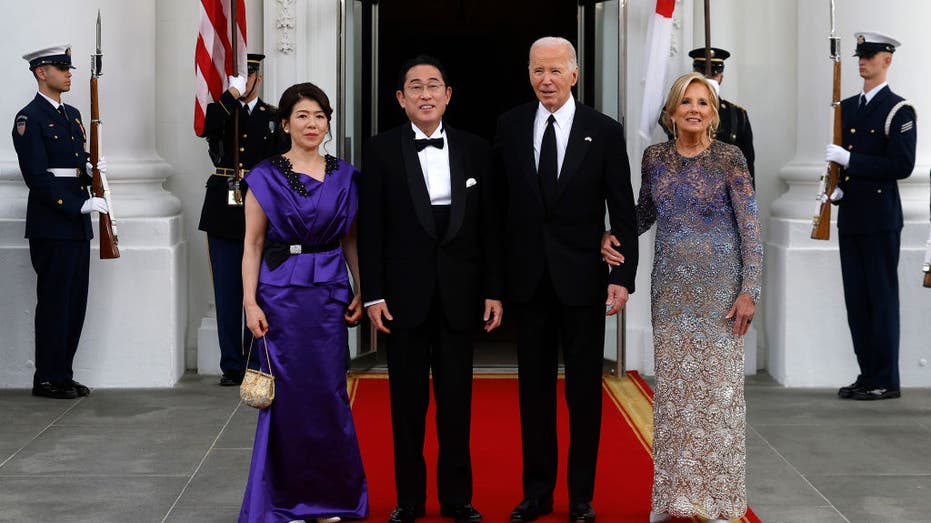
285, 25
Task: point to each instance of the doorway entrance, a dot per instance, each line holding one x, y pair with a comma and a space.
484, 45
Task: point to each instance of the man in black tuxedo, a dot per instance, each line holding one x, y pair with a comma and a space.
428, 247
560, 162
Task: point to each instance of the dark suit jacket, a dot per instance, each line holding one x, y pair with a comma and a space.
402, 257
44, 139
568, 237
871, 193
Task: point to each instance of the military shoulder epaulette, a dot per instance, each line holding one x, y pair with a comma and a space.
907, 126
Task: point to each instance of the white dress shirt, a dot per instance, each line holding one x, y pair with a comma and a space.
562, 125
250, 106
869, 96
435, 166
53, 102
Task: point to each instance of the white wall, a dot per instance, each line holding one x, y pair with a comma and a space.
133, 333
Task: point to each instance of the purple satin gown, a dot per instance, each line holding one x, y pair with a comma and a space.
306, 462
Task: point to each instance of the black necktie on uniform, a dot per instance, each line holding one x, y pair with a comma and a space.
423, 143
862, 106
547, 169
61, 111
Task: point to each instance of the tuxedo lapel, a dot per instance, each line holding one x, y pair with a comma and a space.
415, 182
456, 182
580, 139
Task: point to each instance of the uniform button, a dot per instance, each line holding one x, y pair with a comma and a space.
76, 154
872, 131
242, 149
240, 165
56, 136
879, 191
60, 202
853, 131
846, 178
850, 147
245, 136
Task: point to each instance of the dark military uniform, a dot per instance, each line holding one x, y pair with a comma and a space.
50, 146
881, 139
225, 223
735, 124
735, 130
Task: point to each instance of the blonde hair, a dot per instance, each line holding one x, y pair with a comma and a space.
677, 93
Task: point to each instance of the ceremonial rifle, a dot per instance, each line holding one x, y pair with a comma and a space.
707, 38
101, 189
821, 223
927, 265
235, 194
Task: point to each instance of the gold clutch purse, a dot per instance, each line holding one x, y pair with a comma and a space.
258, 388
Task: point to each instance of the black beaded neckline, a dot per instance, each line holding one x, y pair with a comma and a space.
294, 179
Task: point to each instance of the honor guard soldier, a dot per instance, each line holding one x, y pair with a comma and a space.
49, 139
879, 134
735, 124
222, 216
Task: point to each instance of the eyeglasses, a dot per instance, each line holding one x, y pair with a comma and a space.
418, 89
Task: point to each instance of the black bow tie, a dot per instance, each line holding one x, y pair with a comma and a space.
428, 142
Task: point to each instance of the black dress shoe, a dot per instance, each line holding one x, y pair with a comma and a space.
847, 392
581, 512
49, 390
866, 394
82, 390
231, 379
531, 508
461, 513
406, 513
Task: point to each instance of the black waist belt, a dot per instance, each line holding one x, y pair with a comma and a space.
276, 253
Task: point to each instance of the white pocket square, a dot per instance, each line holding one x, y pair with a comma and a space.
470, 182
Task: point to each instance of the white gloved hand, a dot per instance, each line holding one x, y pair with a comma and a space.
837, 195
837, 154
101, 166
238, 83
94, 204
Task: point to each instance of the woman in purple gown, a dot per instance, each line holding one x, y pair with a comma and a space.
300, 236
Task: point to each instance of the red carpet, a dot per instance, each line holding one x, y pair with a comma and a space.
625, 464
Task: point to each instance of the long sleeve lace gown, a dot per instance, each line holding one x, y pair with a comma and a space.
707, 251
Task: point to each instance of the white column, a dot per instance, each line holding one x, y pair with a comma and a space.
807, 334
134, 329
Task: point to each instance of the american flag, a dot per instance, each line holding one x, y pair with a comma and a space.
213, 60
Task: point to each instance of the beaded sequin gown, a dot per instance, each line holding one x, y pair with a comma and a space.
708, 250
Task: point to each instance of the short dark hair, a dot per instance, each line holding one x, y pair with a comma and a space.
297, 92
420, 60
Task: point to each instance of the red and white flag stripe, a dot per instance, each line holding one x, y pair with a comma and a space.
213, 60
659, 35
